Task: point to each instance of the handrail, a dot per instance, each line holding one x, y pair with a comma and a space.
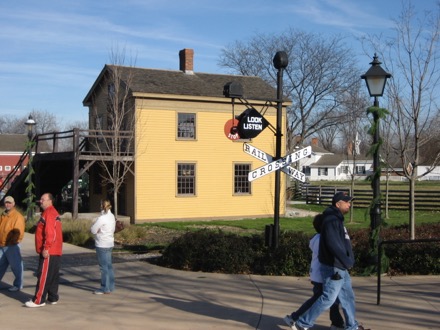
11, 175
398, 241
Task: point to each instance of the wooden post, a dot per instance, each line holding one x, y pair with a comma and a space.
75, 173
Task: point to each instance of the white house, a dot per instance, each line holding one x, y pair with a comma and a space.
325, 165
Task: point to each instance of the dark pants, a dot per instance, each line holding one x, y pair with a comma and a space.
335, 315
48, 275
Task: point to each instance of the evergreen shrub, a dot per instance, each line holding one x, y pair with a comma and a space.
216, 251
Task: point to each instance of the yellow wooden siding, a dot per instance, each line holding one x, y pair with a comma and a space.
158, 152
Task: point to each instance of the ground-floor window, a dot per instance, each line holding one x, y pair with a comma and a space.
241, 182
186, 179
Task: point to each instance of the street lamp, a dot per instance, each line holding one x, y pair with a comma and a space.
376, 78
30, 123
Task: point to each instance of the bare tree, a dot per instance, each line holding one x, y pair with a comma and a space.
412, 56
116, 134
12, 125
388, 156
328, 137
353, 106
320, 70
46, 122
81, 124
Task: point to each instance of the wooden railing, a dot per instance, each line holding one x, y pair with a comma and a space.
397, 199
87, 141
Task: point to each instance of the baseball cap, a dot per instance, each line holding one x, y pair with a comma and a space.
341, 196
9, 199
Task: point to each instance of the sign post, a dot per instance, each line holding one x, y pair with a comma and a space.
280, 62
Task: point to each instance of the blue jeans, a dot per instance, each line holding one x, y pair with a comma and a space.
11, 256
335, 316
104, 256
333, 289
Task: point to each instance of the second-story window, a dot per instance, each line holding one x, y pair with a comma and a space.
186, 126
111, 91
98, 122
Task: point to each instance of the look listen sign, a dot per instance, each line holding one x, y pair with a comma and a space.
251, 123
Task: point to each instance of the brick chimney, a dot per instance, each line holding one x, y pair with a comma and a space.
350, 148
186, 57
315, 141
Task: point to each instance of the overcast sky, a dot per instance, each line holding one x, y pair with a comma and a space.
53, 50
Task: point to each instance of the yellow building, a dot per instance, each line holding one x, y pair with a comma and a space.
185, 167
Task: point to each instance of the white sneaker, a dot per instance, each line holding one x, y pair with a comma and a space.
31, 304
13, 289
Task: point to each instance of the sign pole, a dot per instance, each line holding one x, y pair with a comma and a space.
280, 62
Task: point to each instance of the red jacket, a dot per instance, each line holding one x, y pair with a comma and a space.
49, 233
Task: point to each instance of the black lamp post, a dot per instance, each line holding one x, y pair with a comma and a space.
376, 78
30, 123
280, 62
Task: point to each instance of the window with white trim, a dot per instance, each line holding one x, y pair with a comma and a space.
186, 126
186, 179
241, 181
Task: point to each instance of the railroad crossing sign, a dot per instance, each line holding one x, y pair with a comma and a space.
266, 158
279, 164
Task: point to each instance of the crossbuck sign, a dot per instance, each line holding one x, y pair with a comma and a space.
279, 164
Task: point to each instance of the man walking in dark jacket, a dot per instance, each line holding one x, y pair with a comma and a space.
336, 257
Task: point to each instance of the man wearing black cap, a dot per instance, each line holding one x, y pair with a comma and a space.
336, 257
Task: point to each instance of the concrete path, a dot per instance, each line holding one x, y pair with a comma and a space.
151, 297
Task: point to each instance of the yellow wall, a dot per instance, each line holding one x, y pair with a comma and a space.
158, 152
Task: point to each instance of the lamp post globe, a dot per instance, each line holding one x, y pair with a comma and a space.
30, 123
376, 78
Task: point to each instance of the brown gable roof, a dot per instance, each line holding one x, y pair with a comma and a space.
190, 84
13, 142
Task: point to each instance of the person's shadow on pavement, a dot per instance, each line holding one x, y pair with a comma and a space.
255, 320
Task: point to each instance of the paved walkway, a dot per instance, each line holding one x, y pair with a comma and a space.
151, 297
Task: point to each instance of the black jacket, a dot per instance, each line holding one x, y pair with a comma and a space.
334, 245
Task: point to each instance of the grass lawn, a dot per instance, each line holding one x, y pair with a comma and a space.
363, 184
360, 220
